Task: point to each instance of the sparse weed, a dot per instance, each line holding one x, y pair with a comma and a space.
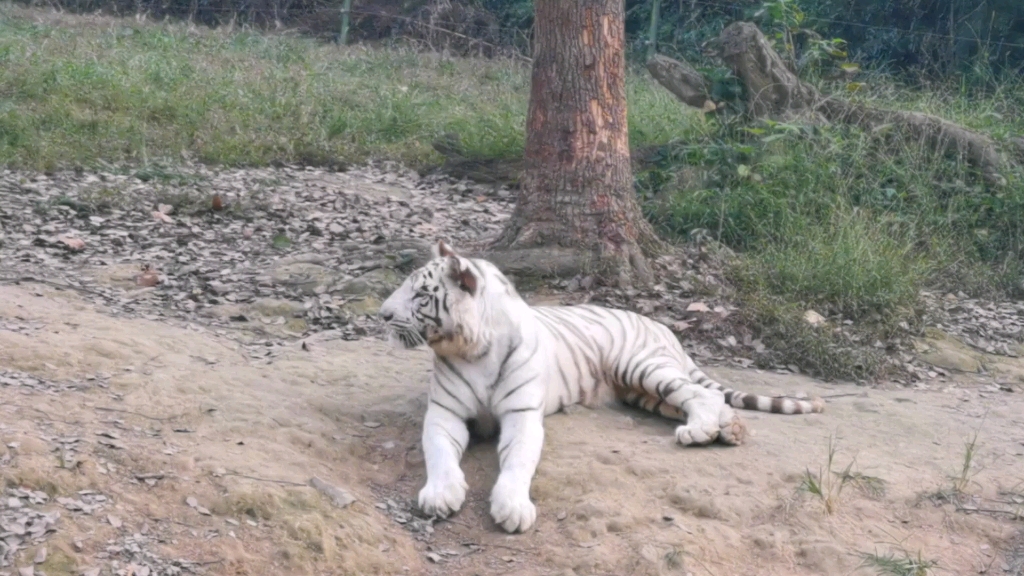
902, 564
966, 472
827, 484
870, 486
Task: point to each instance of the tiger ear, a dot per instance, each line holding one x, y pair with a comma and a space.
460, 272
442, 249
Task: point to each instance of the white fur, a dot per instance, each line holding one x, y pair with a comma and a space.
498, 358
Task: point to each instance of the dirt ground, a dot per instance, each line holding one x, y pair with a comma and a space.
229, 445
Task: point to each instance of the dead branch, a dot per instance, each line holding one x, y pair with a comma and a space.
681, 80
774, 91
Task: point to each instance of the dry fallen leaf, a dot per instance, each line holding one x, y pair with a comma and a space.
698, 307
114, 520
73, 244
217, 203
161, 217
148, 279
165, 208
680, 326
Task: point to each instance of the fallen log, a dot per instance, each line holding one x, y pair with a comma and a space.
773, 91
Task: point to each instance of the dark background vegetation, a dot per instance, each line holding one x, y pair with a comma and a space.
936, 36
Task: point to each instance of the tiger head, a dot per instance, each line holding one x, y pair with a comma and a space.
444, 304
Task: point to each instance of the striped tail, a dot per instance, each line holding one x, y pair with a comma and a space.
773, 404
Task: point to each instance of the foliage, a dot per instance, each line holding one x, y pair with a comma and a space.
848, 223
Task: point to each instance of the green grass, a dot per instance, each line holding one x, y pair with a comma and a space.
850, 224
78, 90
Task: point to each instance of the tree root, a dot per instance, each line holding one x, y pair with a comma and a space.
774, 91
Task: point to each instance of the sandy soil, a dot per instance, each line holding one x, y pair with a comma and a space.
615, 495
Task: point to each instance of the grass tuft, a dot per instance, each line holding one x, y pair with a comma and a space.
966, 473
826, 483
903, 564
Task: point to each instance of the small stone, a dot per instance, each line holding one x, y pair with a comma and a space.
813, 318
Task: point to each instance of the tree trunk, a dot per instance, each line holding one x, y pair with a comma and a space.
577, 187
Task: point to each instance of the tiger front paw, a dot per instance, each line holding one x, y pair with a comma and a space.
444, 496
697, 434
511, 507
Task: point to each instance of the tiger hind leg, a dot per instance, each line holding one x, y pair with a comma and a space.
646, 402
665, 390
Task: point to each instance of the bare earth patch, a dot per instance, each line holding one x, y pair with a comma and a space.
203, 455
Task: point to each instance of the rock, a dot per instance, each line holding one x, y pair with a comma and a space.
380, 282
271, 307
813, 318
364, 306
338, 496
950, 354
310, 279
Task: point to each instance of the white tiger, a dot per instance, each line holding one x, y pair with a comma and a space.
500, 363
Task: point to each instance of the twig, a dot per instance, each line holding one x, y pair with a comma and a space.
829, 397
49, 416
512, 548
271, 480
172, 520
53, 284
987, 511
105, 409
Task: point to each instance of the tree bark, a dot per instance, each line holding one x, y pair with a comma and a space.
774, 91
577, 187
